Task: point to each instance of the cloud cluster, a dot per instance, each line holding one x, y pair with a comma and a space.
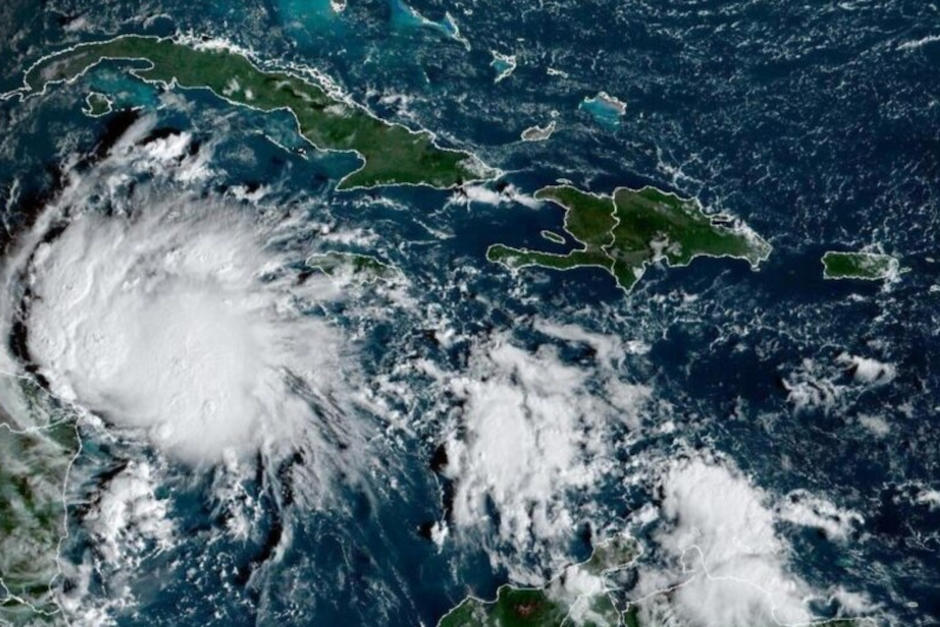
730, 565
820, 385
176, 321
534, 430
126, 523
181, 316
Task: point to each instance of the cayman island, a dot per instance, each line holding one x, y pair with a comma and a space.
858, 265
629, 229
393, 154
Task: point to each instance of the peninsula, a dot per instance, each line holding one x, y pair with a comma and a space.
583, 594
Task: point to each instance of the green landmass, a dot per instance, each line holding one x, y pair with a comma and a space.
356, 265
616, 553
557, 603
856, 265
393, 154
35, 455
96, 105
631, 618
513, 607
626, 231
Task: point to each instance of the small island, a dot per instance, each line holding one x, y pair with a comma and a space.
626, 231
392, 154
96, 105
553, 237
859, 265
504, 64
605, 108
538, 133
581, 595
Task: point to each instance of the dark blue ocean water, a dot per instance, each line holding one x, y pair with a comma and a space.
817, 123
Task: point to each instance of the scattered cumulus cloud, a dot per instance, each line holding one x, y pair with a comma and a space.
808, 510
868, 370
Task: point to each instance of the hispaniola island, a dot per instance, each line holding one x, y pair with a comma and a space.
426, 313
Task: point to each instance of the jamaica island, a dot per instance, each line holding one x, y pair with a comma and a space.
626, 231
392, 154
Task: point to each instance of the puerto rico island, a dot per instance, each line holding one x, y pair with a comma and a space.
857, 265
392, 153
584, 594
628, 230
